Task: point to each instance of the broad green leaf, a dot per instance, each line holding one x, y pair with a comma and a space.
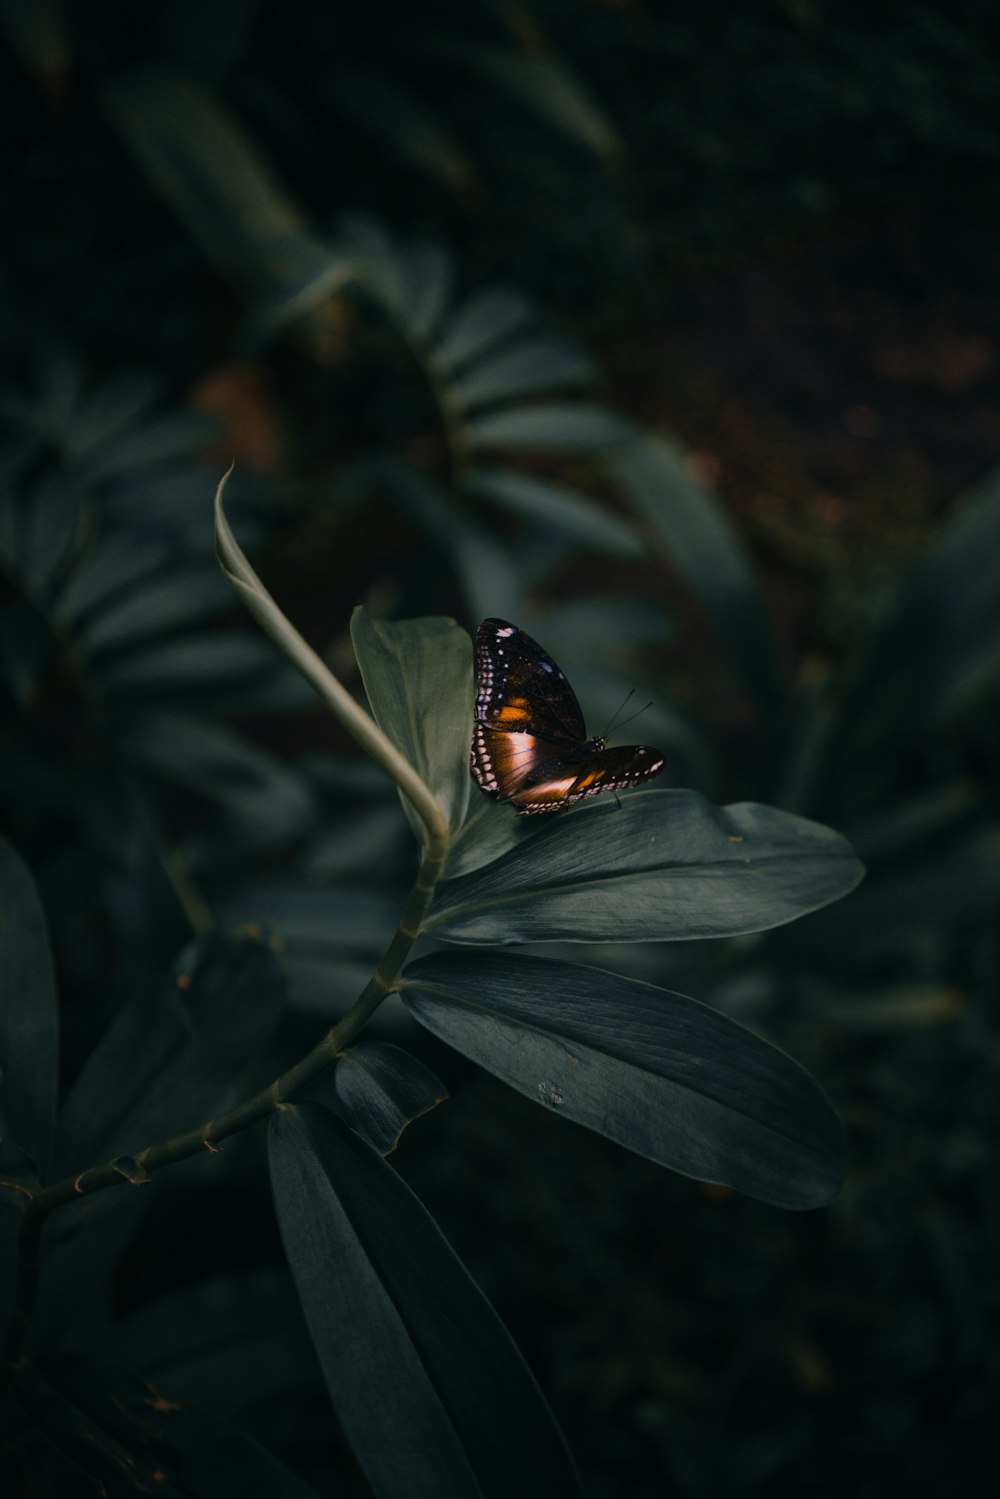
487, 832
565, 510
657, 1072
665, 866
481, 323
28, 1015
130, 1438
702, 544
418, 677
432, 1394
382, 1088
552, 428
538, 363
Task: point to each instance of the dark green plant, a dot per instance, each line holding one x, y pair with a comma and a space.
431, 1393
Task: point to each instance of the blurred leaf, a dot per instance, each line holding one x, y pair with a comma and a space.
50, 525
36, 35
701, 543
665, 866
537, 363
383, 108
418, 677
128, 1438
117, 563
427, 275
479, 324
931, 895
657, 1072
102, 416
378, 263
551, 428
12, 1204
173, 1053
416, 1361
29, 1021
488, 575
343, 917
200, 755
382, 1089
545, 85
937, 655
207, 169
25, 650
199, 664
164, 605
160, 440
221, 1344
543, 503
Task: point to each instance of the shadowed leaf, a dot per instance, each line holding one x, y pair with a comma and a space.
665, 866
418, 1364
659, 1073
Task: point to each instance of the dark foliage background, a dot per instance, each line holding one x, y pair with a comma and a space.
775, 229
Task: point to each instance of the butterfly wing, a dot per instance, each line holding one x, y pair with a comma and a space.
558, 783
527, 714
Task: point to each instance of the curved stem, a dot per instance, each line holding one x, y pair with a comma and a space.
208, 1136
319, 676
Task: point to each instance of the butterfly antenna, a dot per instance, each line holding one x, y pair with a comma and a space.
632, 716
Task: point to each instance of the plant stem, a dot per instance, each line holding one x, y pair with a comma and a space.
45, 1200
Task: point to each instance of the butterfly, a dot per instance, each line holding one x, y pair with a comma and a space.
529, 742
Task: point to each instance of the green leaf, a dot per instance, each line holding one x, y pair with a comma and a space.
418, 677
204, 757
431, 1392
382, 1089
552, 428
426, 268
199, 664
937, 655
207, 168
29, 1022
167, 604
223, 1343
940, 893
540, 501
173, 1053
659, 1073
543, 84
481, 323
665, 866
384, 109
116, 564
131, 1439
539, 363
702, 544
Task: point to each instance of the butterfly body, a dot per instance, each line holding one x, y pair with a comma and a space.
529, 744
